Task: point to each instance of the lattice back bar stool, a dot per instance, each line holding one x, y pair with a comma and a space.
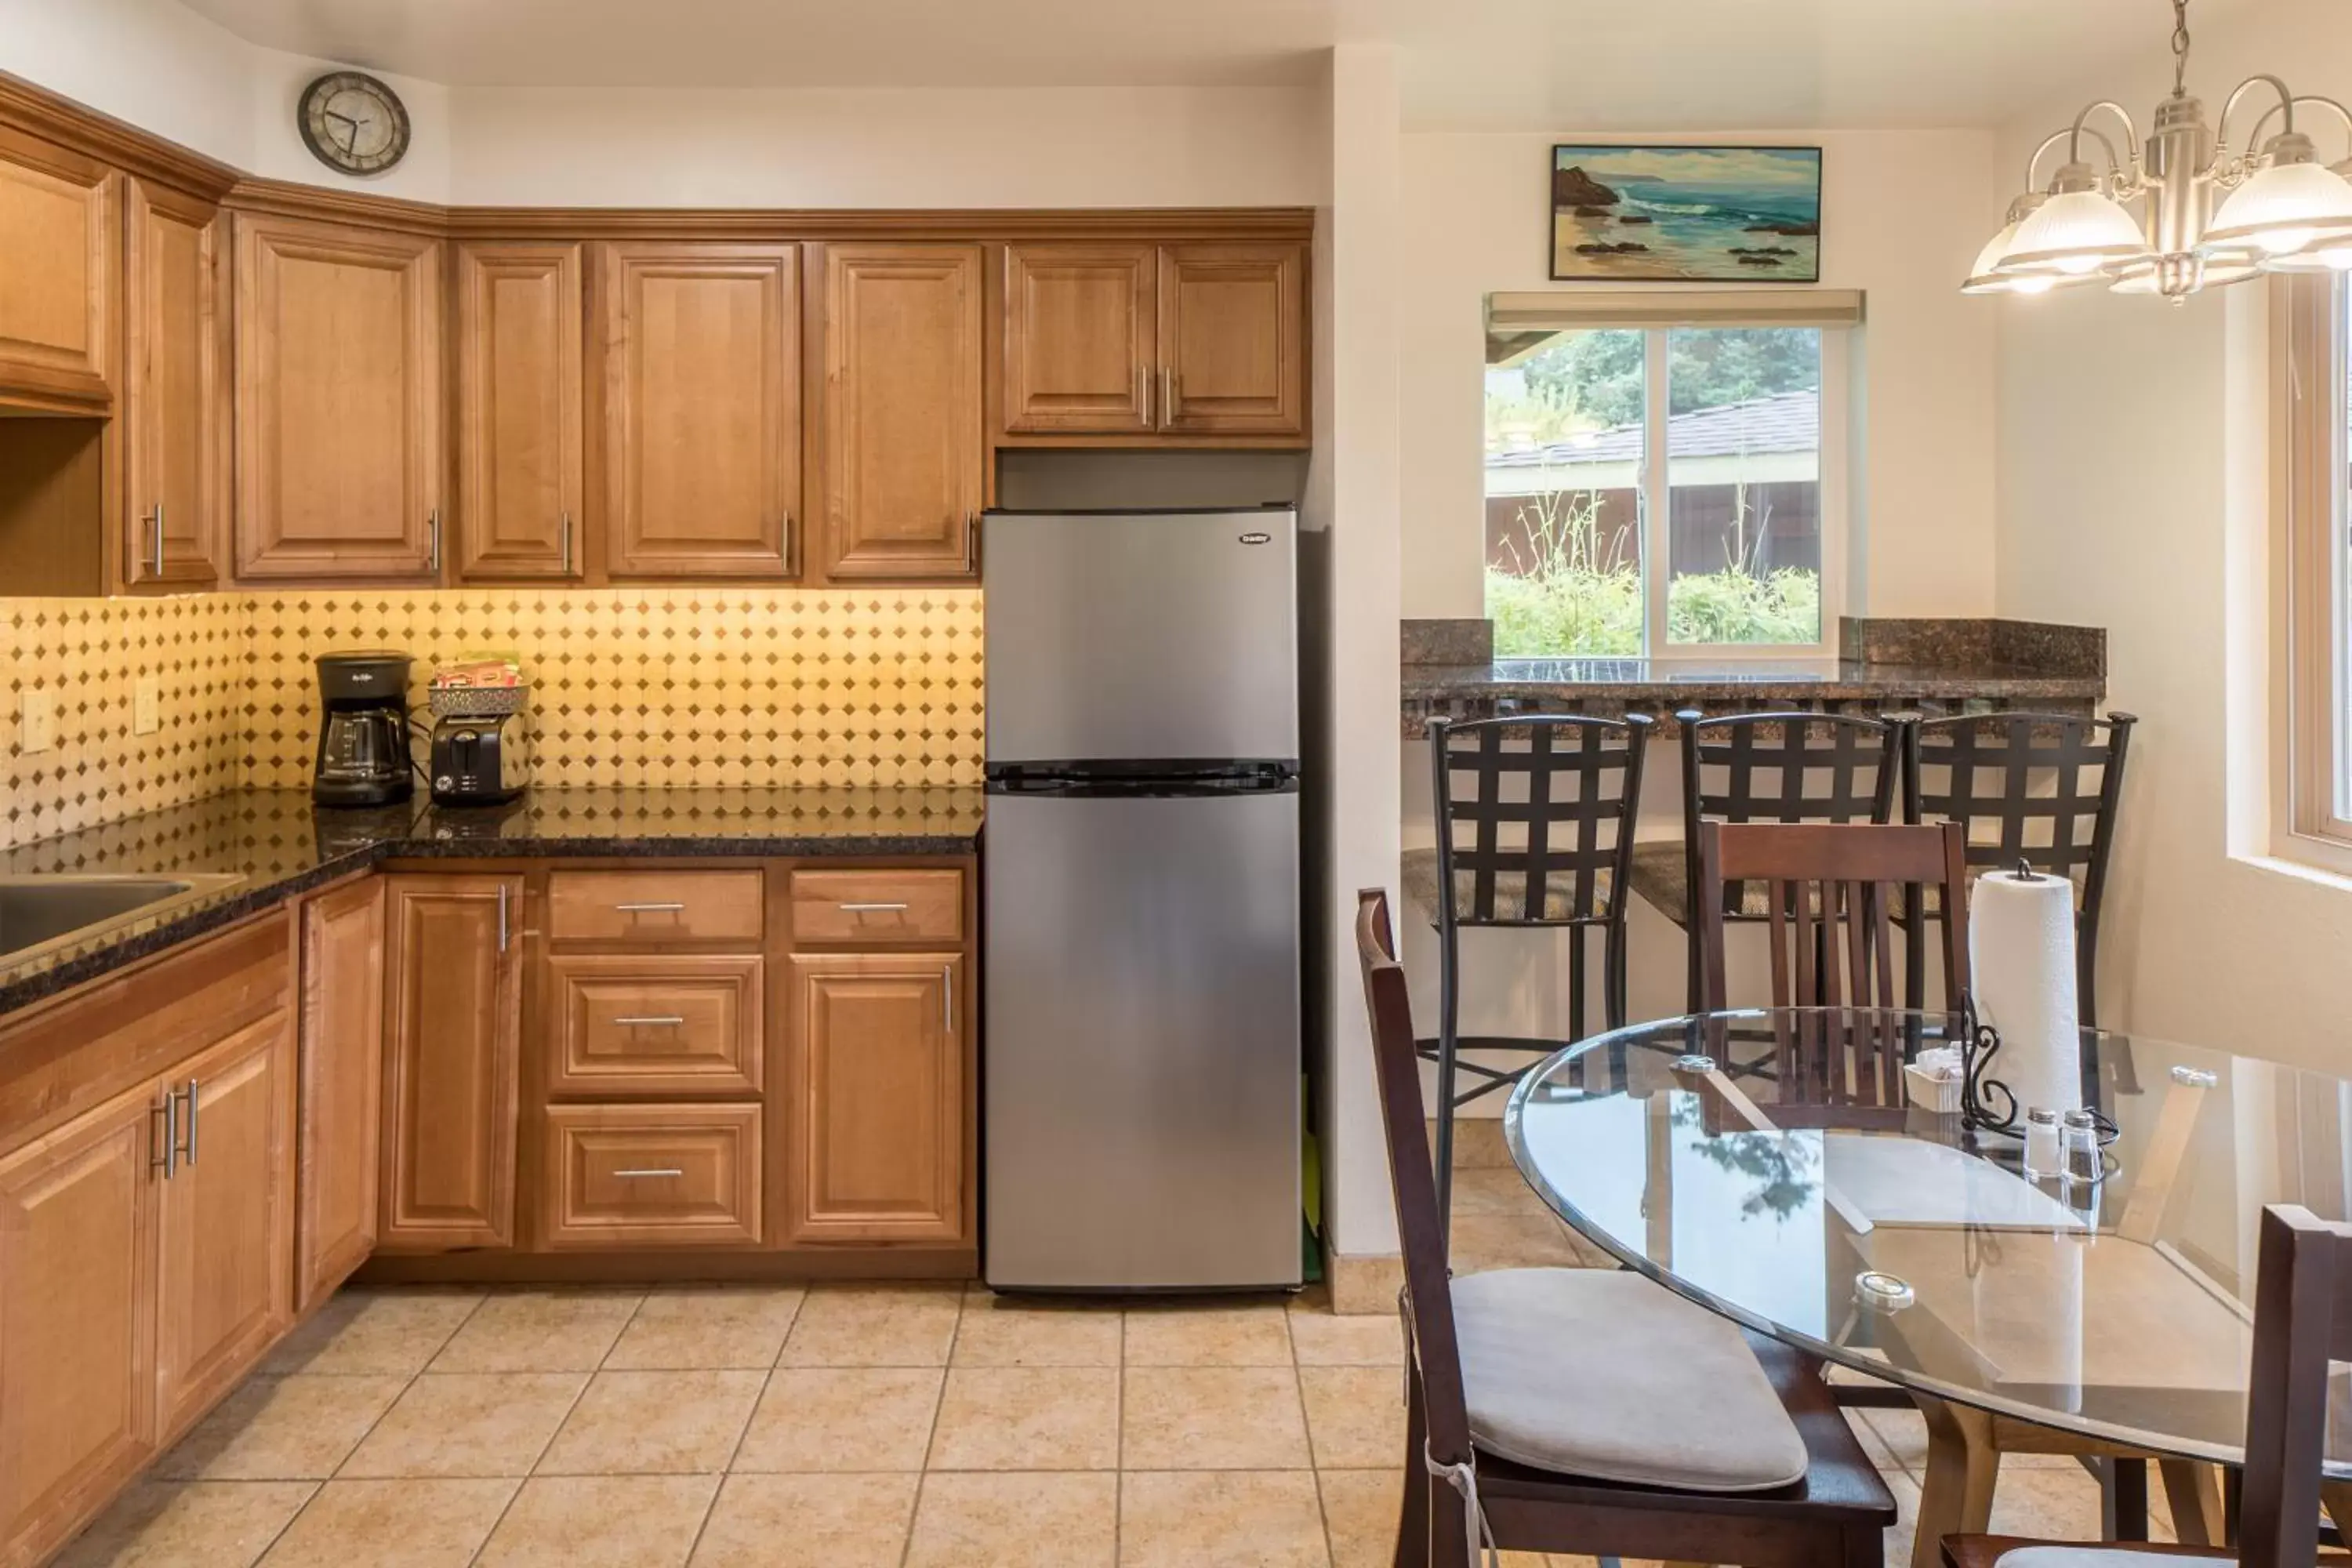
1535, 829
1765, 767
2044, 788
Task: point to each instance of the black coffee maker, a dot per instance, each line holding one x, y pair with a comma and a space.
363, 744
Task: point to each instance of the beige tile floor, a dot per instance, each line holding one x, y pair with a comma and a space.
901, 1426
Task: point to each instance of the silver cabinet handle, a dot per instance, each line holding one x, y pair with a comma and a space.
648, 1173
870, 909
971, 542
652, 1021
168, 1161
1143, 390
1167, 396
502, 917
433, 539
567, 544
156, 521
791, 546
657, 906
947, 1001
188, 1141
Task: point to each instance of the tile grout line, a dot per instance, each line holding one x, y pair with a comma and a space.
938, 1401
1119, 1451
728, 1469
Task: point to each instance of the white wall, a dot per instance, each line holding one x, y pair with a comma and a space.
156, 64
2131, 462
1903, 213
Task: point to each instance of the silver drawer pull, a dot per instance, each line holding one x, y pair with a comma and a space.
652, 1021
871, 908
650, 1173
666, 907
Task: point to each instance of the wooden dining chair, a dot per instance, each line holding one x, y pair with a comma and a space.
2303, 1320
1765, 767
1592, 1410
1829, 893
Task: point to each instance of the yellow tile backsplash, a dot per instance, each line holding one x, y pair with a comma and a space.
717, 686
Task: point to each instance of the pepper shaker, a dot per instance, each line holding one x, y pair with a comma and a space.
2041, 1157
2079, 1147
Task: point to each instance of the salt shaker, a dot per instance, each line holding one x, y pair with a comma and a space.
2042, 1142
2079, 1147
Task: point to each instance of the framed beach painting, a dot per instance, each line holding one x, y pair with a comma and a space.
1686, 215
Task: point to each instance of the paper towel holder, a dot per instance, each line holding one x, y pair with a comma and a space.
1981, 1094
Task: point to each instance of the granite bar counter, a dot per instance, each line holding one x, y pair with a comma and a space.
268, 846
1920, 667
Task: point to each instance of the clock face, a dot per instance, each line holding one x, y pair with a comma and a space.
353, 122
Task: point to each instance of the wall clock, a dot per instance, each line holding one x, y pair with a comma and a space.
353, 122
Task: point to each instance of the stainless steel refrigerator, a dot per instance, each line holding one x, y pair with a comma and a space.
1141, 900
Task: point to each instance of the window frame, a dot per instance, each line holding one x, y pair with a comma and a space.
1657, 505
1836, 314
2309, 415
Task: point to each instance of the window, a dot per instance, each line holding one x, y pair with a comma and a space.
2312, 408
1664, 489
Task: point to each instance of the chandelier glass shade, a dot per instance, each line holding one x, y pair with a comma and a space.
2181, 211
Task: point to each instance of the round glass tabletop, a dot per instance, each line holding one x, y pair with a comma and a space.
1768, 1165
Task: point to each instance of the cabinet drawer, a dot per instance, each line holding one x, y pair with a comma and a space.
877, 906
625, 1176
654, 907
685, 1023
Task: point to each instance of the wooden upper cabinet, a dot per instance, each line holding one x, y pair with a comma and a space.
1233, 339
175, 392
224, 1283
876, 1113
1080, 350
342, 1069
702, 429
521, 473
77, 1319
905, 453
338, 468
453, 1039
56, 277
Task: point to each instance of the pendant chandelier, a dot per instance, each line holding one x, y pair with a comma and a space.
2207, 215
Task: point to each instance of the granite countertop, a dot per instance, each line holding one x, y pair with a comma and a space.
270, 845
1676, 682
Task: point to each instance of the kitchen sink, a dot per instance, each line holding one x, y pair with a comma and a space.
38, 911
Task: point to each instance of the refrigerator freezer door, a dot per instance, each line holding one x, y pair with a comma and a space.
1143, 1009
1141, 635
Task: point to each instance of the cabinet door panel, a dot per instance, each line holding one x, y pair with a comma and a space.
342, 1085
175, 388
225, 1285
904, 457
1078, 338
519, 391
876, 1099
453, 1047
338, 401
57, 293
77, 1319
702, 419
1232, 337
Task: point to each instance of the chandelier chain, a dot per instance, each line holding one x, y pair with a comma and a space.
2179, 46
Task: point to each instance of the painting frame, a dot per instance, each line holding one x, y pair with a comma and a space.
1750, 212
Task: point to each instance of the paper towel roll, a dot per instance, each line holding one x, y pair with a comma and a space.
2021, 962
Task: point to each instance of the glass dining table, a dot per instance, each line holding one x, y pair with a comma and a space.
1768, 1165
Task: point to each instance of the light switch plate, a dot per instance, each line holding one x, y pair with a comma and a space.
146, 706
38, 720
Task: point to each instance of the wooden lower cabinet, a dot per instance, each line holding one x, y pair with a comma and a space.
224, 1283
453, 1048
875, 1097
341, 1077
623, 1176
77, 1320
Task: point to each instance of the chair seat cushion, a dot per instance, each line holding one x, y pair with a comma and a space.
1599, 1373
1510, 892
2011, 1552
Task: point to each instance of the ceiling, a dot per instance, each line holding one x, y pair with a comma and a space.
1469, 64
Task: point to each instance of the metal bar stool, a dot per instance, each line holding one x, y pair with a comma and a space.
1765, 767
2038, 787
1528, 836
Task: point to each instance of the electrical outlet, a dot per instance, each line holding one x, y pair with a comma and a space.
146, 706
38, 720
